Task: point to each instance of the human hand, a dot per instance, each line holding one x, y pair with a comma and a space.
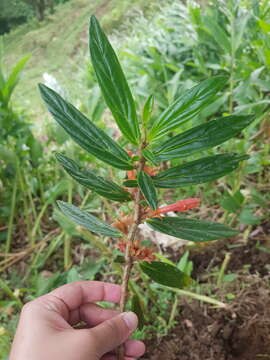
45, 330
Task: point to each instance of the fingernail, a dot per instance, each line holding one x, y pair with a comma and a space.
131, 320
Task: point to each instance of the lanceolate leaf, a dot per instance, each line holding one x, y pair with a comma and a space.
130, 183
84, 132
165, 274
191, 229
198, 171
147, 187
93, 182
187, 106
87, 220
150, 156
202, 137
113, 83
147, 109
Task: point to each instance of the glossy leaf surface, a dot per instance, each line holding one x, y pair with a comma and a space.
113, 83
147, 187
202, 137
165, 274
87, 220
198, 171
191, 229
93, 182
187, 106
84, 132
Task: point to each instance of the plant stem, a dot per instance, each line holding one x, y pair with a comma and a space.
12, 213
130, 240
223, 269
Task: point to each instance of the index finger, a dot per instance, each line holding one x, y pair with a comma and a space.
82, 292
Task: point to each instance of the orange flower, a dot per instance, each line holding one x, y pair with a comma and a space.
137, 251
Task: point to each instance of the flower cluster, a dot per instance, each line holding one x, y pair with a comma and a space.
137, 251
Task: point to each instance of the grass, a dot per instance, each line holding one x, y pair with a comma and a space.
59, 46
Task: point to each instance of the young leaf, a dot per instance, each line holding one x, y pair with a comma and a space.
93, 182
202, 137
198, 171
87, 220
150, 156
147, 109
84, 132
165, 274
187, 106
191, 229
147, 187
113, 83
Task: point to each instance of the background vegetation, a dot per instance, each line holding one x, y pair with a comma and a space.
165, 47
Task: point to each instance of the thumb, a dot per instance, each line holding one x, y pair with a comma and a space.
111, 333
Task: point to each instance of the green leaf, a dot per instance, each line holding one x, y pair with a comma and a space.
84, 132
191, 229
150, 156
198, 171
165, 274
113, 83
87, 220
137, 308
147, 187
13, 78
187, 106
130, 183
93, 182
202, 137
148, 109
232, 203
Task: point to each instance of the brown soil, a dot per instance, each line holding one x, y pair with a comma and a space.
241, 332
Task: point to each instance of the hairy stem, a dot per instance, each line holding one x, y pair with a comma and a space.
130, 239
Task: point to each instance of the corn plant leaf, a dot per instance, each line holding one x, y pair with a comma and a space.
165, 274
187, 106
202, 137
84, 132
87, 220
113, 83
92, 181
191, 229
147, 187
198, 171
137, 308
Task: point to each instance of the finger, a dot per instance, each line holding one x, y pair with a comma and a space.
82, 292
114, 357
108, 335
69, 297
134, 348
91, 314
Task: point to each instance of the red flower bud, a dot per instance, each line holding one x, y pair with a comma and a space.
181, 205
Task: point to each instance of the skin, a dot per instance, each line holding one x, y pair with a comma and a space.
46, 326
